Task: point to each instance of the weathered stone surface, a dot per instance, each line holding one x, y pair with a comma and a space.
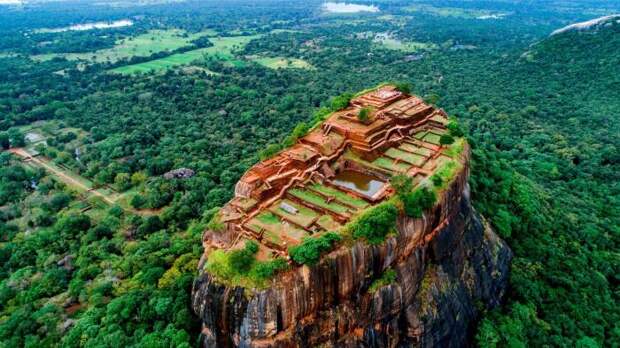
449, 265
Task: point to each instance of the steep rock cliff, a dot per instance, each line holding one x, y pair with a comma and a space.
449, 265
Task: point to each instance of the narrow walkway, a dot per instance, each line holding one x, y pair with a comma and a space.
61, 175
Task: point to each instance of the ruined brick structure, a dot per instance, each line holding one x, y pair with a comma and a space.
445, 262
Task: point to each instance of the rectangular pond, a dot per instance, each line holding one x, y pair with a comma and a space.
361, 183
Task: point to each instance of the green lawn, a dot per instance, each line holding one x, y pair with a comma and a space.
327, 223
318, 201
303, 218
432, 138
275, 230
405, 156
143, 45
389, 164
339, 195
405, 46
282, 62
222, 49
415, 149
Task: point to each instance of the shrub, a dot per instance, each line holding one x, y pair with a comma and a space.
242, 259
363, 115
375, 224
137, 201
269, 151
402, 184
388, 277
418, 201
446, 139
240, 267
310, 249
341, 101
437, 180
455, 129
265, 270
404, 87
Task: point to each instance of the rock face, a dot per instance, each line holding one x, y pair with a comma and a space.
449, 265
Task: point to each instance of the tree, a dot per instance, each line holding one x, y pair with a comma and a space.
4, 140
363, 115
446, 139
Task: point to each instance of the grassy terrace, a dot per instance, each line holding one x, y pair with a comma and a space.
319, 201
432, 138
305, 216
390, 164
415, 149
340, 196
405, 156
275, 230
327, 223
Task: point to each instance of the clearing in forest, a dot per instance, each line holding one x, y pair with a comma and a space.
154, 41
281, 62
222, 49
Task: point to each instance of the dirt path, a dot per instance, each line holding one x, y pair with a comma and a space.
60, 174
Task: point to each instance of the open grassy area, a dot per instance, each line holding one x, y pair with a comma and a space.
274, 229
143, 45
222, 49
339, 195
405, 46
432, 138
391, 165
456, 12
318, 201
405, 156
415, 149
327, 223
282, 62
304, 216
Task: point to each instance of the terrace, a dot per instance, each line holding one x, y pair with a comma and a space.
335, 172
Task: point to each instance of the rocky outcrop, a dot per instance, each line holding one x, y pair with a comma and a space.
449, 265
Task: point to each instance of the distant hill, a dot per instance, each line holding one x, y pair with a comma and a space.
588, 25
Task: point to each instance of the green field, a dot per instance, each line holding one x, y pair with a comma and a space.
281, 62
222, 49
143, 45
405, 46
456, 12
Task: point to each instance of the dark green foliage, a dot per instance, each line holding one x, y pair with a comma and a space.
375, 224
363, 115
4, 140
266, 270
387, 277
455, 129
310, 250
402, 184
243, 259
340, 102
404, 87
418, 201
446, 139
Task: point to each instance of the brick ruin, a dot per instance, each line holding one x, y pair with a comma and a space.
333, 173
